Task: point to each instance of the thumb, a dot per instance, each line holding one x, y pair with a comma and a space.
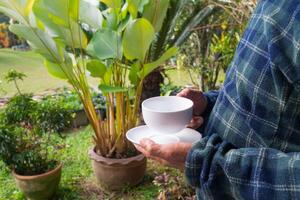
148, 144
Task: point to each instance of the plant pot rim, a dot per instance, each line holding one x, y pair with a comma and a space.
112, 161
30, 177
82, 109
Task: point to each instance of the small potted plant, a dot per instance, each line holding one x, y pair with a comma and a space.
112, 44
27, 153
73, 103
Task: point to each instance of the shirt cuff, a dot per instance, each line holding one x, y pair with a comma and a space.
194, 162
199, 159
211, 98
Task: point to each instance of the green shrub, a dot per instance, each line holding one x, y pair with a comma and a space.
98, 100
52, 116
19, 109
72, 102
2, 116
26, 151
49, 115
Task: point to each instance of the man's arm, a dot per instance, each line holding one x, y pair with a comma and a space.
219, 168
211, 98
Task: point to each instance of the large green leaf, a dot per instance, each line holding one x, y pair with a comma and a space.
73, 9
137, 39
74, 35
135, 6
124, 23
155, 12
28, 7
57, 70
17, 9
62, 9
112, 89
149, 67
113, 3
90, 15
108, 76
39, 41
13, 14
105, 44
41, 12
57, 8
134, 73
61, 20
96, 68
112, 19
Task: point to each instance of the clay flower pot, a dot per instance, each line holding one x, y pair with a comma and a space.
115, 174
80, 119
39, 187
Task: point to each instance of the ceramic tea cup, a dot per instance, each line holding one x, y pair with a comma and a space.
167, 114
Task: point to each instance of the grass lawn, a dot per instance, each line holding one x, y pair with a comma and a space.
38, 80
29, 63
78, 182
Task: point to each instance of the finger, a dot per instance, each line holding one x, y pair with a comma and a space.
150, 147
144, 149
196, 122
183, 93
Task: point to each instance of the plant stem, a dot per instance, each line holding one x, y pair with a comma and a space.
16, 84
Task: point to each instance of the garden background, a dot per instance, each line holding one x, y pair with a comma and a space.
205, 53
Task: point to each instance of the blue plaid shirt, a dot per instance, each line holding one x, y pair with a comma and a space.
251, 143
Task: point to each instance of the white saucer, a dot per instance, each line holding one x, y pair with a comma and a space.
187, 135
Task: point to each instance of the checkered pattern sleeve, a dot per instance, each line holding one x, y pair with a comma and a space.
245, 173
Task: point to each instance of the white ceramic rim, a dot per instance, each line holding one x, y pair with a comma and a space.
151, 135
190, 102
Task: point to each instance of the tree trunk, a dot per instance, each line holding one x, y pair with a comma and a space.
151, 85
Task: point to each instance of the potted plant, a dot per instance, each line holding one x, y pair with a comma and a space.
72, 103
36, 171
77, 38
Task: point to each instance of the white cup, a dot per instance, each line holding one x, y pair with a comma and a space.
167, 114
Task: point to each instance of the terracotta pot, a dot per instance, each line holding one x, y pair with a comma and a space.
39, 187
80, 119
115, 174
